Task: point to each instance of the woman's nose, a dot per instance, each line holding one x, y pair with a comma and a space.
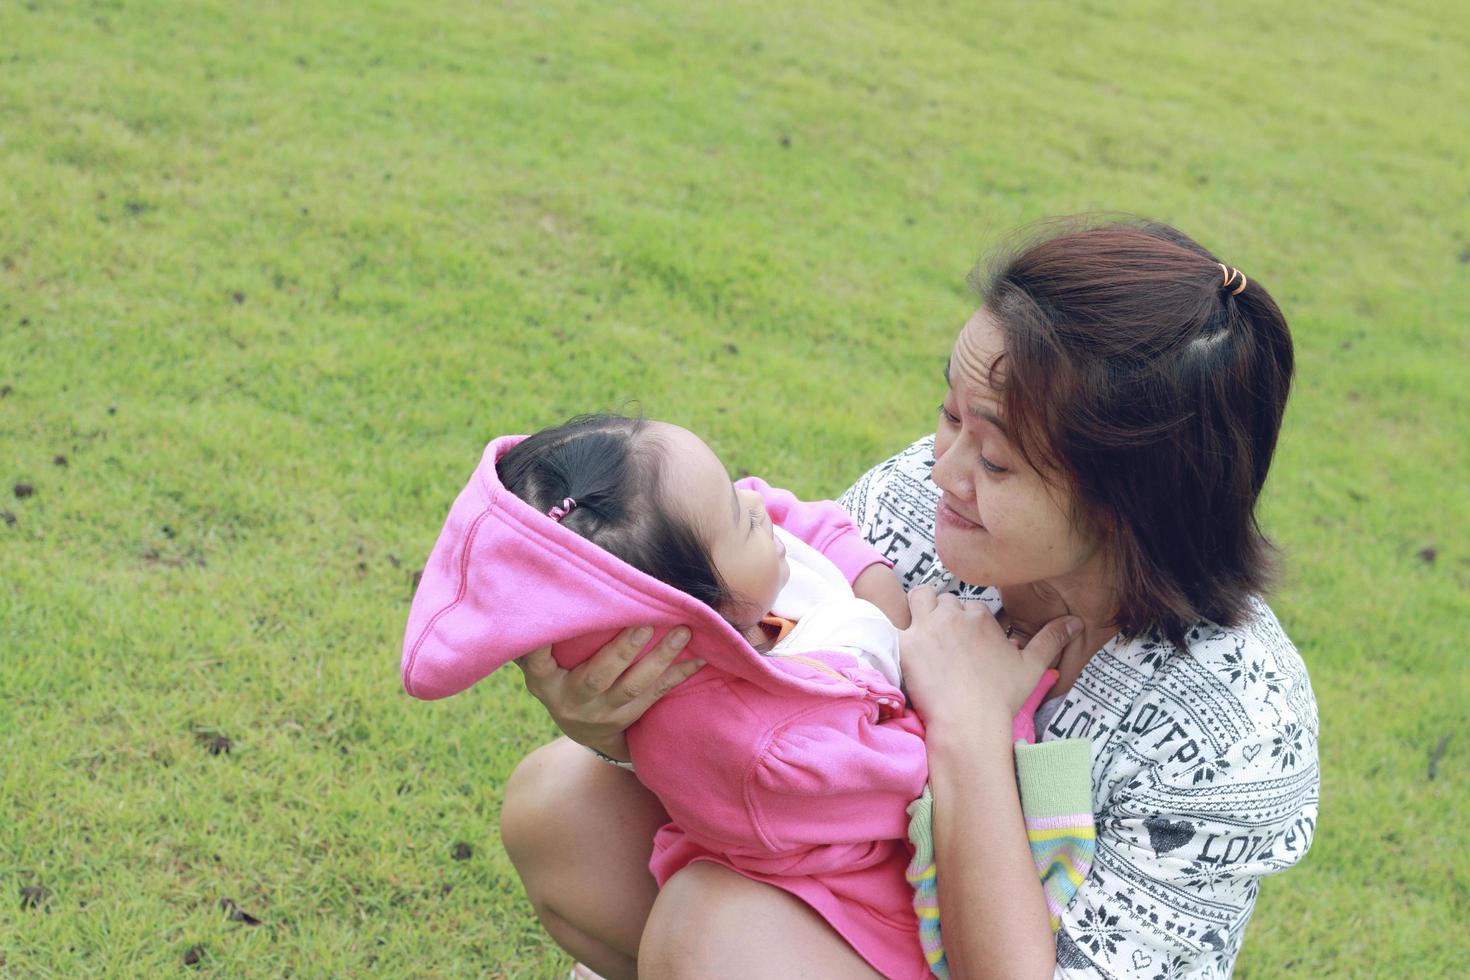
948, 473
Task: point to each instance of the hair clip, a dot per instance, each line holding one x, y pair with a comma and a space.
562, 509
1230, 275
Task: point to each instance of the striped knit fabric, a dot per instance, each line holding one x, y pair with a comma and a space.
1056, 799
922, 879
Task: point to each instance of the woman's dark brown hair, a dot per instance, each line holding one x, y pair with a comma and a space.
1133, 375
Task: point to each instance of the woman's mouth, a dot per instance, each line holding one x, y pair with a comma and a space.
950, 517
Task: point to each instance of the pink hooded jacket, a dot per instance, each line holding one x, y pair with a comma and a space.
794, 771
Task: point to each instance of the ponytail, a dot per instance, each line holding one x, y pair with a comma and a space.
611, 466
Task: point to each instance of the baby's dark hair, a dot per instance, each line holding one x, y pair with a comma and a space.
612, 466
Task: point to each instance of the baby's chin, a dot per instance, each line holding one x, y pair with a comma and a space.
746, 615
783, 575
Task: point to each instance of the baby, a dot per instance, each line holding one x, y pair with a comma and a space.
654, 495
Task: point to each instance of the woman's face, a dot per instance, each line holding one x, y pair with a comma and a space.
999, 523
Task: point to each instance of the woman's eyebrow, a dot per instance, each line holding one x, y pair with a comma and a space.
990, 417
978, 413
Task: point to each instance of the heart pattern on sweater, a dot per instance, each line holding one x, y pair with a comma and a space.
1165, 835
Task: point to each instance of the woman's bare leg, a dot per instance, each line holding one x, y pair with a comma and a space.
710, 922
580, 833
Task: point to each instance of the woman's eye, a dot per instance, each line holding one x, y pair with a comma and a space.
952, 420
991, 467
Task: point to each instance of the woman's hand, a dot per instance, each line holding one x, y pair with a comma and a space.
596, 701
959, 665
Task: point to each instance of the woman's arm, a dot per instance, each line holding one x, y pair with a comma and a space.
967, 681
990, 899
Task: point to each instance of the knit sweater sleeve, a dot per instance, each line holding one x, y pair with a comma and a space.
1056, 799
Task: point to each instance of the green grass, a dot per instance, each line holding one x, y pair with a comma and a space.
271, 275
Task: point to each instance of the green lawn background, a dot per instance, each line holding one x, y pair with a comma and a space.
272, 274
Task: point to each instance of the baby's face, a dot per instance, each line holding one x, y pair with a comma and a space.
733, 523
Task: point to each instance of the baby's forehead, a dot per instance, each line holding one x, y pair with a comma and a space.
695, 480
689, 460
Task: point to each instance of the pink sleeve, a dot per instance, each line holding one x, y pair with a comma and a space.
1023, 726
822, 524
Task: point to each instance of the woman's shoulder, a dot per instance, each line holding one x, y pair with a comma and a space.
1205, 779
905, 474
1253, 666
1186, 713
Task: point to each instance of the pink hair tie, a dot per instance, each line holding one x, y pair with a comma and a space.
562, 509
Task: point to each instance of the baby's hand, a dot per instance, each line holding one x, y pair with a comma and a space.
879, 585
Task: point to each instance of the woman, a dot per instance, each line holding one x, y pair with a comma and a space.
1111, 415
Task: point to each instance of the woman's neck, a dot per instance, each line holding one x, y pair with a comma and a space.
1088, 595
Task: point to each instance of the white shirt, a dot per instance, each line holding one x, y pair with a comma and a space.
828, 616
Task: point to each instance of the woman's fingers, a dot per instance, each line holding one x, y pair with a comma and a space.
981, 612
1046, 647
676, 675
609, 689
663, 684
538, 664
922, 600
643, 677
602, 670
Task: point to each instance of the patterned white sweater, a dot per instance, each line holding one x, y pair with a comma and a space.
1204, 763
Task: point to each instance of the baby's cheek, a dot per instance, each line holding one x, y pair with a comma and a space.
783, 574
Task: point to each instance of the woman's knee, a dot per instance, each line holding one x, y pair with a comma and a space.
580, 833
532, 801
568, 818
